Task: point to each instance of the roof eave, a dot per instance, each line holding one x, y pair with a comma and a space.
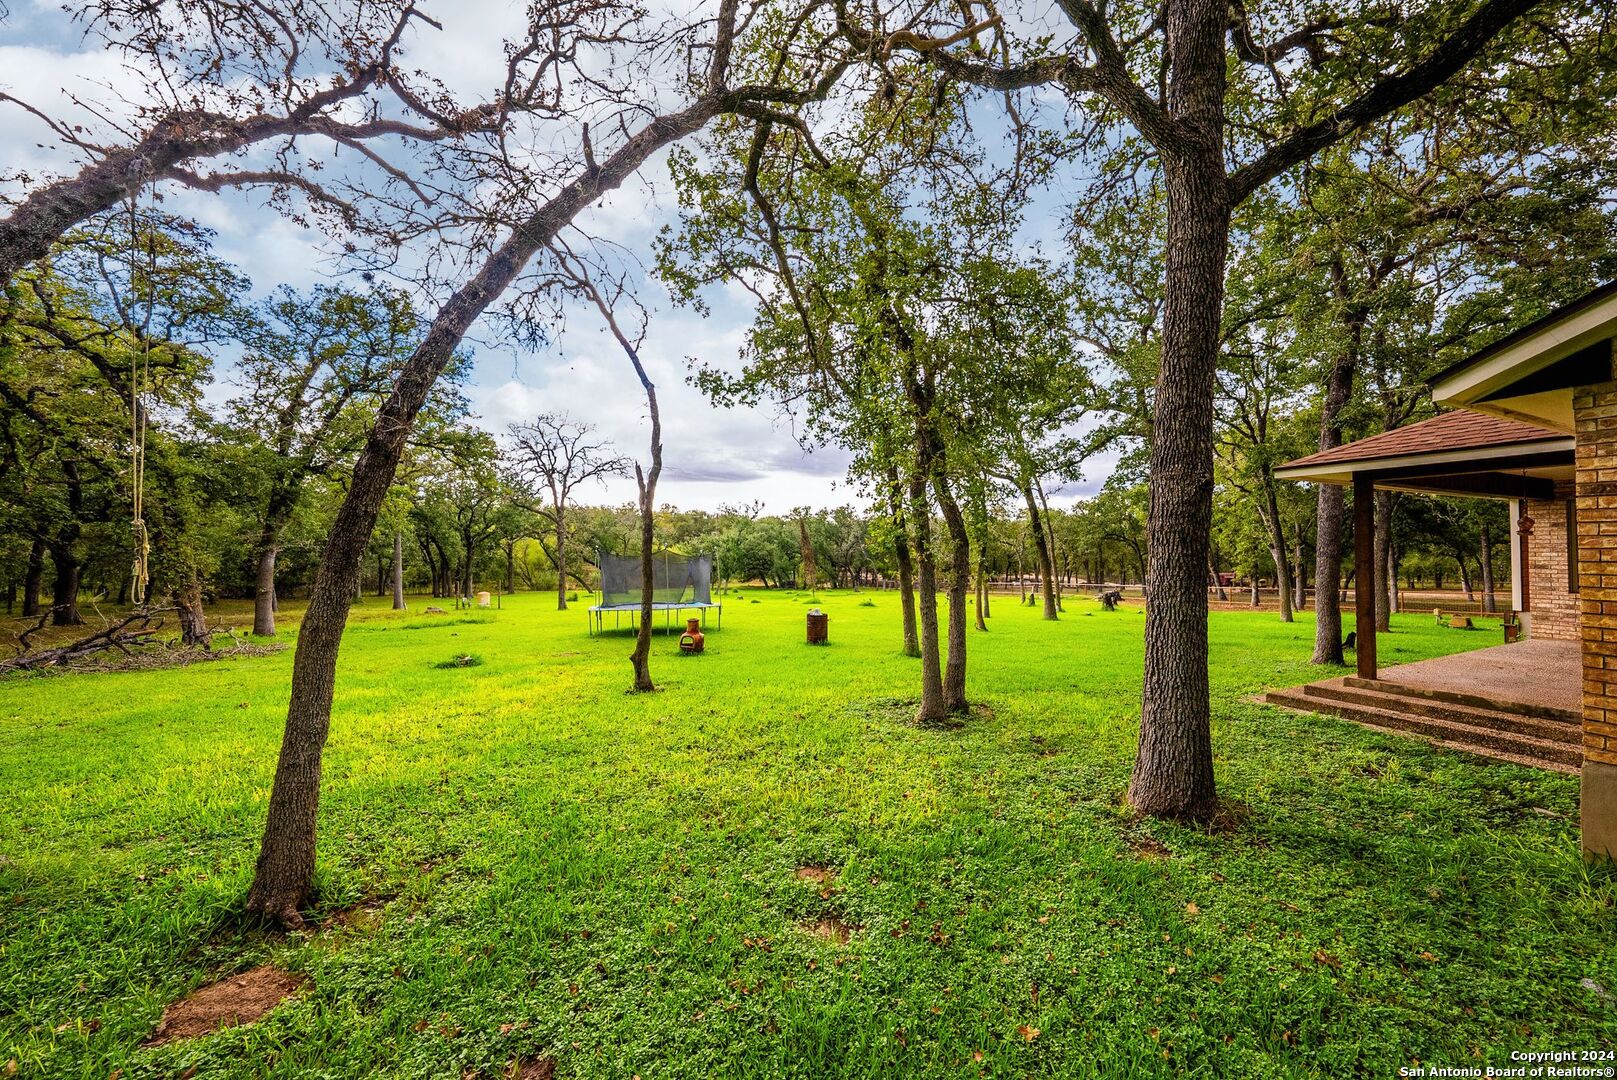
1342, 472
1527, 351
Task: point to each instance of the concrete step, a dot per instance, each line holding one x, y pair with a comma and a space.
1537, 727
1485, 742
1456, 697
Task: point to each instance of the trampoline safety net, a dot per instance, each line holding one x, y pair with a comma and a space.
676, 579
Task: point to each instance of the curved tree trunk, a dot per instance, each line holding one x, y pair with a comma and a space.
1214, 580
284, 875
1054, 592
1270, 517
1041, 544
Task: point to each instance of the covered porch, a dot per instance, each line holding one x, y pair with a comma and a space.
1520, 703
1553, 385
1473, 455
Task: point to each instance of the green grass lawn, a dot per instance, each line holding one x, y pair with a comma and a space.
553, 867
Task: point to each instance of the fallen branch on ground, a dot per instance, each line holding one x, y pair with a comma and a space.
134, 630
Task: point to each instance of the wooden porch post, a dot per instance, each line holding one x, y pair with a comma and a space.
1364, 573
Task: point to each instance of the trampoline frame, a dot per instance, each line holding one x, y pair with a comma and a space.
597, 615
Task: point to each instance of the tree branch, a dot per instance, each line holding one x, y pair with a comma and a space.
1388, 95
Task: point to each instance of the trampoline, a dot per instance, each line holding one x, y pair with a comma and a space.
679, 583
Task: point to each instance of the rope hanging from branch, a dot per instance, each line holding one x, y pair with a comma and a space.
140, 370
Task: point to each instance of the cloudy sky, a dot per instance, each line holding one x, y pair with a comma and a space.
712, 456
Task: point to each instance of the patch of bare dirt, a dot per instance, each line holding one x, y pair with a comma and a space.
239, 999
540, 1068
364, 917
829, 928
1148, 847
823, 875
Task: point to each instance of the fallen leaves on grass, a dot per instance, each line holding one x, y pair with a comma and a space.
239, 999
1028, 1032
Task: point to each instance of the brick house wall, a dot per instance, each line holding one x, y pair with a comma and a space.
1553, 607
1594, 410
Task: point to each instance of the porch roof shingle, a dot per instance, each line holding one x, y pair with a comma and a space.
1461, 429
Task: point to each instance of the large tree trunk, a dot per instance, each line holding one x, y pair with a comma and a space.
264, 587
33, 577
1465, 578
954, 672
1041, 544
398, 570
1489, 603
906, 568
1173, 773
1330, 514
